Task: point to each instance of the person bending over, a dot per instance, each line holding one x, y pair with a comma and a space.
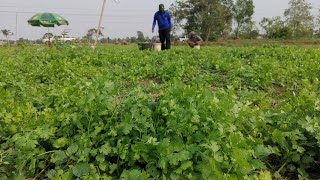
194, 39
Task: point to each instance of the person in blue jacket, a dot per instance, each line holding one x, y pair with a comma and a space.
164, 25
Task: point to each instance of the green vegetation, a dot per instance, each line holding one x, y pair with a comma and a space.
214, 113
212, 19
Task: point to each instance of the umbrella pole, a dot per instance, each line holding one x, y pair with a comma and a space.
100, 21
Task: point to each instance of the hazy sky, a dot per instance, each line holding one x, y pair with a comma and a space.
121, 19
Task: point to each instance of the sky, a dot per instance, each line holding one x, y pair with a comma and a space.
121, 19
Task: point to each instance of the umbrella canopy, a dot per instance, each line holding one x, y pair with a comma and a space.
47, 20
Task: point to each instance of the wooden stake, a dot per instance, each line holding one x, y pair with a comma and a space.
99, 25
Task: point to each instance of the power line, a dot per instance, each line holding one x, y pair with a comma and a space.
47, 8
128, 19
72, 14
132, 10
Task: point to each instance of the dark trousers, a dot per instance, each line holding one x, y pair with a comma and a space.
164, 36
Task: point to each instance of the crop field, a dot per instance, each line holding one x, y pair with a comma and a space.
119, 113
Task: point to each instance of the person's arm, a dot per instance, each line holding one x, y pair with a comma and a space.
200, 41
191, 44
154, 22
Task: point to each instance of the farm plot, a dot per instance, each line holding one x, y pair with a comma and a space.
214, 113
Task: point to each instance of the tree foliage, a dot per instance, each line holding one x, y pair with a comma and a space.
299, 18
317, 25
275, 28
248, 31
242, 13
7, 33
65, 32
92, 33
298, 22
210, 18
140, 36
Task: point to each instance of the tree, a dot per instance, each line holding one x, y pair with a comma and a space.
317, 25
22, 41
140, 36
38, 41
7, 33
242, 12
248, 31
92, 33
275, 28
106, 40
210, 18
133, 40
267, 24
65, 32
299, 18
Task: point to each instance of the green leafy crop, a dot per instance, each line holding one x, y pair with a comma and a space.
120, 113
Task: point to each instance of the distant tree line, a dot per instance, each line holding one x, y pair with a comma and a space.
89, 38
222, 19
91, 35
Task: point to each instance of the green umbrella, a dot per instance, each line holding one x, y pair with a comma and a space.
47, 20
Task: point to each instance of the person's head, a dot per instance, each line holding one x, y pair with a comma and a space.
161, 8
193, 34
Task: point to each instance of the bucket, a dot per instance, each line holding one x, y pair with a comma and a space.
197, 46
157, 46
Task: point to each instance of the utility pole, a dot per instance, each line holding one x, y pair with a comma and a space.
99, 25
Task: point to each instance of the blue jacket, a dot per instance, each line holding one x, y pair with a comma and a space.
163, 19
